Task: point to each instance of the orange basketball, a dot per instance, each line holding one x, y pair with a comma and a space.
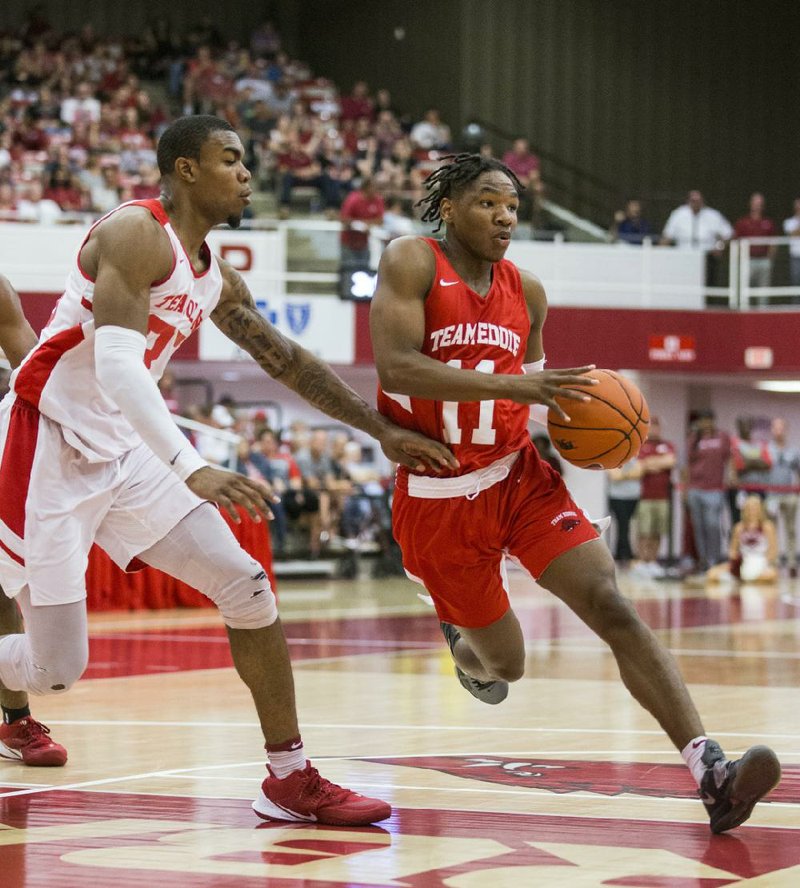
605, 431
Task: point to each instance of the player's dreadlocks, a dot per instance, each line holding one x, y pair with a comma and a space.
452, 178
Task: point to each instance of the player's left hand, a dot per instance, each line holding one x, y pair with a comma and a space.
416, 451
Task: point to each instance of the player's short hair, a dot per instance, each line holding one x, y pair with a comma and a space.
185, 137
454, 177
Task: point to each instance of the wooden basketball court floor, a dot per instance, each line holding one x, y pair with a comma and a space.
567, 783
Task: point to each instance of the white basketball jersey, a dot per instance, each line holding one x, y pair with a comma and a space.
58, 377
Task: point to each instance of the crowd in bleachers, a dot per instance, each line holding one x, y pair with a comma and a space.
333, 499
80, 116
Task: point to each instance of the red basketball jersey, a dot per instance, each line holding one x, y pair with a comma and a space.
470, 332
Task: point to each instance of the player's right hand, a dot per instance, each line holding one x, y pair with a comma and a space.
542, 387
229, 489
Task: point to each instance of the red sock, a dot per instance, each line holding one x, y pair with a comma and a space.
286, 757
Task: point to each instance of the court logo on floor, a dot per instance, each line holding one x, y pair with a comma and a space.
573, 775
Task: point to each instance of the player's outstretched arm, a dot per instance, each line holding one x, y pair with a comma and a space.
16, 334
397, 325
124, 254
238, 318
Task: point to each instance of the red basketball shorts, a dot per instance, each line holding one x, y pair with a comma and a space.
455, 545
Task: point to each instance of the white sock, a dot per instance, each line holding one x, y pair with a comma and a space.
693, 756
286, 757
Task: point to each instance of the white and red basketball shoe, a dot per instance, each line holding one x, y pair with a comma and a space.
29, 741
307, 797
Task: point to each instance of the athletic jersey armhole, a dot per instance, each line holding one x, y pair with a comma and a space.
156, 210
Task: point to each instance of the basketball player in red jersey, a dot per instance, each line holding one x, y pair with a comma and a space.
22, 738
90, 453
457, 337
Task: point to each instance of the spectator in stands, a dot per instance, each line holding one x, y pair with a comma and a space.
34, 207
629, 225
338, 166
397, 220
212, 448
148, 186
358, 104
784, 473
657, 459
750, 464
756, 224
297, 166
624, 491
693, 224
108, 194
8, 203
526, 167
65, 190
791, 227
283, 474
82, 107
430, 133
362, 210
316, 469
707, 454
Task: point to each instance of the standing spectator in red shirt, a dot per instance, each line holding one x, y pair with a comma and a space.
708, 452
361, 210
526, 167
755, 224
656, 459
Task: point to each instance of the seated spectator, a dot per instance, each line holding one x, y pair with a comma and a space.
82, 107
362, 210
316, 469
64, 190
358, 104
108, 194
34, 207
430, 133
299, 167
752, 556
397, 220
148, 187
212, 448
629, 225
283, 473
526, 167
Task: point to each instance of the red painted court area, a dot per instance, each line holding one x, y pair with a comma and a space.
208, 843
151, 651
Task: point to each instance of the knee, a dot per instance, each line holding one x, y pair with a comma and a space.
247, 602
57, 675
510, 668
610, 614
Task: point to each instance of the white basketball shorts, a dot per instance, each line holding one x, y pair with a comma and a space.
54, 504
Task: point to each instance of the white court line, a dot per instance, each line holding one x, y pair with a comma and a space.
121, 779
407, 727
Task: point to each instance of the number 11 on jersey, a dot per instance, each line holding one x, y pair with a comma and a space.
485, 432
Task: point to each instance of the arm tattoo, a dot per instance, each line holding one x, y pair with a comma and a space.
282, 359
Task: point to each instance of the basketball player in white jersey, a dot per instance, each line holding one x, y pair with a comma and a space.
90, 453
22, 737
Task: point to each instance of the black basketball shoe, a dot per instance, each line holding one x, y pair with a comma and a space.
492, 692
730, 790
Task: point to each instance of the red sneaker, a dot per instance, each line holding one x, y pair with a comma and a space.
308, 797
29, 740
